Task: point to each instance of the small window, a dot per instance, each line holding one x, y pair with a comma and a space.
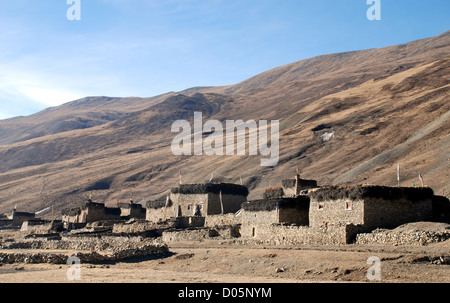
348, 205
189, 207
320, 206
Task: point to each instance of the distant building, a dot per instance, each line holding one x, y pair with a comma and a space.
90, 212
198, 200
15, 218
132, 210
297, 186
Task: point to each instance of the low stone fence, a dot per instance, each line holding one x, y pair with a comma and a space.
221, 220
136, 227
279, 234
221, 232
89, 257
111, 248
412, 237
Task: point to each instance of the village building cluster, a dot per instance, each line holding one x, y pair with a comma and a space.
298, 212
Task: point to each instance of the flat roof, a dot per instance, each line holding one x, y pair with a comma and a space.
355, 192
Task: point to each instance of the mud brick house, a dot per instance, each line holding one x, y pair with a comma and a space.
297, 186
132, 210
333, 215
259, 217
370, 207
198, 200
90, 212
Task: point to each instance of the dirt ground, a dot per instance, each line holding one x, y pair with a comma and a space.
214, 261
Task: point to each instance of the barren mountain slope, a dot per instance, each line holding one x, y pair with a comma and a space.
84, 113
381, 112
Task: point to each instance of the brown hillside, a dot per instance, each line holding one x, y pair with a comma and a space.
384, 106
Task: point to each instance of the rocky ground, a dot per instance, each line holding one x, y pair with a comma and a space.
219, 261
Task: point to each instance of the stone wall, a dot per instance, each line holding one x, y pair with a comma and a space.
92, 212
231, 203
39, 227
222, 220
390, 214
130, 210
304, 235
136, 227
111, 248
160, 214
257, 223
205, 204
184, 222
198, 234
340, 211
277, 234
186, 204
297, 216
412, 237
289, 192
8, 224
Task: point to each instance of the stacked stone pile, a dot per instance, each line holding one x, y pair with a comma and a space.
403, 237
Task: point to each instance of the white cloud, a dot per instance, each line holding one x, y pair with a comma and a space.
3, 115
22, 85
47, 96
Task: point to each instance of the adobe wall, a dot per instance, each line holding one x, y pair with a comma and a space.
231, 203
92, 213
125, 212
111, 214
136, 213
335, 212
18, 219
294, 216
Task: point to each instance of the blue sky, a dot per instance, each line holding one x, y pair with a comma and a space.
148, 47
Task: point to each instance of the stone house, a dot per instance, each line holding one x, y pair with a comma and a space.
333, 215
159, 210
369, 207
198, 200
297, 186
260, 216
90, 212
